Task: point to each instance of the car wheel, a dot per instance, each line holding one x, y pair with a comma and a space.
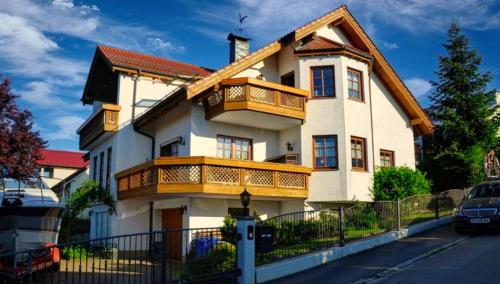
461, 231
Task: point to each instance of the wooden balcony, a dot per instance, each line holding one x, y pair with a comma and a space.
101, 122
208, 175
256, 103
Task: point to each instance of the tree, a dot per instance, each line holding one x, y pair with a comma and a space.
19, 144
464, 112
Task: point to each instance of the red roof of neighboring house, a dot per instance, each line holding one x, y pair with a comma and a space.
144, 62
65, 159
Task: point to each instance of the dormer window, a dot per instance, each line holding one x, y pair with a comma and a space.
354, 85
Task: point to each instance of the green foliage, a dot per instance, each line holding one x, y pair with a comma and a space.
88, 193
228, 230
361, 216
220, 258
74, 252
398, 182
464, 112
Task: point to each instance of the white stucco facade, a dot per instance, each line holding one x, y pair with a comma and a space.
378, 119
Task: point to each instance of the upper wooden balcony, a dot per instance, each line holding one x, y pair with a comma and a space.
102, 122
208, 175
256, 103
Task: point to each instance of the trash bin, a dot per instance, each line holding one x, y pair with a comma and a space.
202, 246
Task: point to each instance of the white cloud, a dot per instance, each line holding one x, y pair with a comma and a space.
42, 95
419, 87
268, 20
64, 128
389, 45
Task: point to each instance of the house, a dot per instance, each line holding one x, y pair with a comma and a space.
57, 165
66, 187
301, 123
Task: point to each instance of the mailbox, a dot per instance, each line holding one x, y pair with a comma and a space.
264, 238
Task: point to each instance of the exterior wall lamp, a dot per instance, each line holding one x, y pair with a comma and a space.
289, 146
181, 141
245, 197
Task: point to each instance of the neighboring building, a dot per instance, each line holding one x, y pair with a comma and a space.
179, 142
69, 185
57, 165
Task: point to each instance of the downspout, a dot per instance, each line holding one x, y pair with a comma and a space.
371, 111
153, 141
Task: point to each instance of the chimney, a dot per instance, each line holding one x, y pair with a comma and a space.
238, 47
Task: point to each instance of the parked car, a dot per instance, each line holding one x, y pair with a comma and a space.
480, 209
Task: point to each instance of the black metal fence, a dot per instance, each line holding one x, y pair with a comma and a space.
174, 256
303, 232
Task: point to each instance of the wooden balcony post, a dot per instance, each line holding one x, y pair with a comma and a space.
276, 179
277, 97
242, 176
204, 174
247, 92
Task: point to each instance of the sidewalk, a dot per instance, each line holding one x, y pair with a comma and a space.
368, 263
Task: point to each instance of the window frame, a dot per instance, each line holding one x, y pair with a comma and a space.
233, 147
166, 144
108, 167
391, 153
360, 82
286, 76
94, 173
364, 168
101, 168
325, 168
311, 78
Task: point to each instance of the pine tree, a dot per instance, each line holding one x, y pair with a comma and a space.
19, 144
464, 112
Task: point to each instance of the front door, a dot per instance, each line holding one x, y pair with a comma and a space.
172, 220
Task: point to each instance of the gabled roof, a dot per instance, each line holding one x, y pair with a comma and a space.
134, 60
344, 20
64, 159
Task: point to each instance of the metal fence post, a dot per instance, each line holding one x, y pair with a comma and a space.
30, 264
341, 226
436, 206
163, 270
398, 214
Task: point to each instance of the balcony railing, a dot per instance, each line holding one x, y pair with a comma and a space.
104, 120
208, 175
256, 95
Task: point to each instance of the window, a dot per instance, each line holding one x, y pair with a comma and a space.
101, 167
108, 168
358, 153
325, 152
170, 149
235, 211
94, 171
46, 172
234, 147
288, 79
386, 158
354, 85
322, 81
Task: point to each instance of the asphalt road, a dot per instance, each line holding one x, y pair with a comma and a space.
475, 259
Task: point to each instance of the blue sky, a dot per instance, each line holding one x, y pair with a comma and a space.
47, 46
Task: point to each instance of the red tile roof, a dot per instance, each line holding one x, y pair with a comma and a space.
65, 159
148, 63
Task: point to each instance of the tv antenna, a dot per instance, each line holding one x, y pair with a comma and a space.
241, 19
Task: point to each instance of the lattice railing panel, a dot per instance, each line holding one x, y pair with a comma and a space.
235, 93
123, 184
135, 180
111, 117
223, 175
291, 180
262, 95
180, 174
147, 176
291, 101
215, 99
259, 177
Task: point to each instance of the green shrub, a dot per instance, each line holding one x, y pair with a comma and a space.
74, 252
399, 182
361, 216
228, 230
220, 258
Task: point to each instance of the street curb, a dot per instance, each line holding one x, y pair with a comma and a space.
296, 264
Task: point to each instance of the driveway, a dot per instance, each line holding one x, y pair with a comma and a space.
436, 256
